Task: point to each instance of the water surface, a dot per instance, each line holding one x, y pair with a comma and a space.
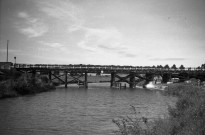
74, 111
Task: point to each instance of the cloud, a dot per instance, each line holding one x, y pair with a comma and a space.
58, 9
23, 15
130, 55
52, 44
31, 27
126, 54
66, 12
111, 47
96, 39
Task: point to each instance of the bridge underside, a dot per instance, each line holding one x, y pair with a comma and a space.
80, 77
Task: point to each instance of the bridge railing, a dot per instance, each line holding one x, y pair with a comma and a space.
101, 67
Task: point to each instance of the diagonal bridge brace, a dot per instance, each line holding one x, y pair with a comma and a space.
58, 77
76, 79
123, 79
130, 79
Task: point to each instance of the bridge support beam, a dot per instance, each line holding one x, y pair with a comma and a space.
112, 81
49, 76
33, 76
33, 73
132, 80
81, 79
66, 79
149, 77
86, 82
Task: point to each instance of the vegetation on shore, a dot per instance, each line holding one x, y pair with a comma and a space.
15, 84
186, 118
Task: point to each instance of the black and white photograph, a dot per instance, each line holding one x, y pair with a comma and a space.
102, 67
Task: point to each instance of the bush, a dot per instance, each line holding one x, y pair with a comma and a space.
44, 79
132, 125
24, 85
186, 118
6, 89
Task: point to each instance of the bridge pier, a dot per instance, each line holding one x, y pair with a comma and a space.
66, 79
77, 79
148, 77
112, 81
33, 76
33, 73
86, 82
132, 80
49, 76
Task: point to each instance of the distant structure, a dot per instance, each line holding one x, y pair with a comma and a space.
6, 65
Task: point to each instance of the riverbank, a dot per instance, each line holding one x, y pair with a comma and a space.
24, 85
186, 118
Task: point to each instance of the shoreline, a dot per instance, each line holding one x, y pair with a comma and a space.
24, 86
189, 111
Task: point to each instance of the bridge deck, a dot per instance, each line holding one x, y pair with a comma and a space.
105, 69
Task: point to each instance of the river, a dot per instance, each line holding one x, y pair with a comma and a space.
78, 111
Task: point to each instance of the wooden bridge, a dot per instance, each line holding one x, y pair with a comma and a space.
132, 74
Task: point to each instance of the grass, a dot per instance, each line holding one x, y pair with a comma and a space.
186, 118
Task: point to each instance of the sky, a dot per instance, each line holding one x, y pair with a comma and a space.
103, 32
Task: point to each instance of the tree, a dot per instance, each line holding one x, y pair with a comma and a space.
203, 66
166, 66
174, 67
182, 67
198, 67
159, 66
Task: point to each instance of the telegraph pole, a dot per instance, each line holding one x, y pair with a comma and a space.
7, 51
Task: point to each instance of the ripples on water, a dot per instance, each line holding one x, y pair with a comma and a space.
75, 111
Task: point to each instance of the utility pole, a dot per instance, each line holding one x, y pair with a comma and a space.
7, 51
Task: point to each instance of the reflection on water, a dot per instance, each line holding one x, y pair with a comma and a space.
77, 111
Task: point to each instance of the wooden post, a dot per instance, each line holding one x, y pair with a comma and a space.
149, 77
86, 82
33, 77
49, 76
132, 80
112, 81
66, 79
33, 73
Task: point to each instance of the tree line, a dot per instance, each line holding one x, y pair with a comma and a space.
175, 67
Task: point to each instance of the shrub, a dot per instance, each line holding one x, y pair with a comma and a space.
24, 85
44, 79
132, 125
6, 89
186, 118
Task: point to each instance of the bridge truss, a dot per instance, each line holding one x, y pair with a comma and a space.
132, 75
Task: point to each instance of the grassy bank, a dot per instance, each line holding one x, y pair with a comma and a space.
22, 84
186, 118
